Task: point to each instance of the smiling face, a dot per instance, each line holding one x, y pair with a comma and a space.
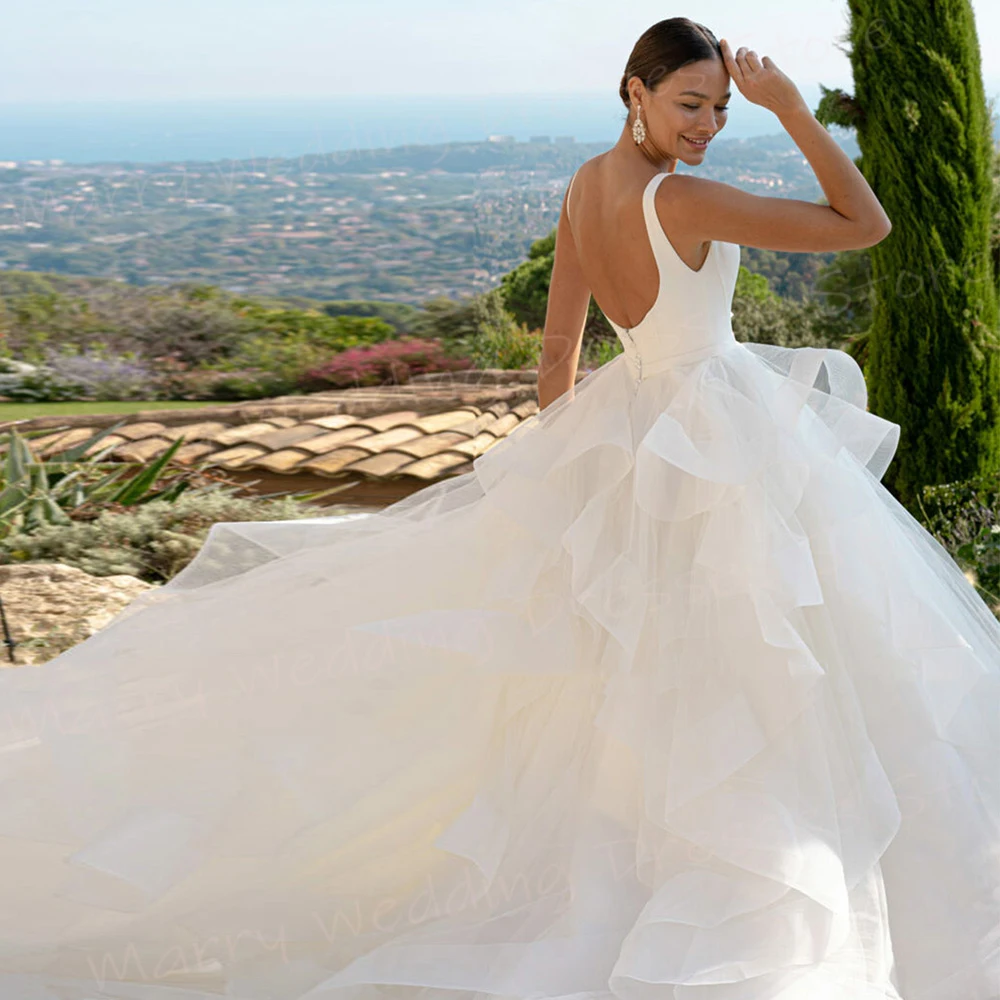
689, 104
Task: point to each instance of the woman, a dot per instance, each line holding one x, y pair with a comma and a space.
668, 698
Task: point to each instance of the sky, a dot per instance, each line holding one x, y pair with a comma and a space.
65, 51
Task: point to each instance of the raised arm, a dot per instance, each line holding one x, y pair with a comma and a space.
711, 210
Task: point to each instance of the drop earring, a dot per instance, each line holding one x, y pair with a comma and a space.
638, 128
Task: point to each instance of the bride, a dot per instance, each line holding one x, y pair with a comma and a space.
667, 698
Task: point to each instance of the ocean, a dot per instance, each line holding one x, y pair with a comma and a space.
155, 132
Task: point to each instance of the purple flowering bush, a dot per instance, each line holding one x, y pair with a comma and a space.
85, 375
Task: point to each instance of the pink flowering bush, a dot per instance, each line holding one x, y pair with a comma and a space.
391, 362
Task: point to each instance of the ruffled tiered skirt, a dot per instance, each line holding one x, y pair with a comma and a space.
668, 699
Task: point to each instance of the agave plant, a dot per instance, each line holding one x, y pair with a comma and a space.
36, 492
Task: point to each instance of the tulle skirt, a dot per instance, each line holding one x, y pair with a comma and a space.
667, 699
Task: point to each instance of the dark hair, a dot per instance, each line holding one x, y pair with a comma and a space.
664, 48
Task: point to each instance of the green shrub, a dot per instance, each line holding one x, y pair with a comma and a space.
965, 518
497, 338
203, 384
452, 322
154, 541
197, 323
251, 383
764, 317
268, 366
43, 385
176, 383
597, 352
511, 346
309, 326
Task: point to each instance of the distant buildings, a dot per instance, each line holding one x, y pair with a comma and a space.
564, 139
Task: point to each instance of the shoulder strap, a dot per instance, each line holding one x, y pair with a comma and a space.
569, 191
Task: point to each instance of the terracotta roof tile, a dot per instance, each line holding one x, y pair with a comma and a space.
416, 432
435, 465
386, 463
108, 441
504, 425
142, 451
445, 421
388, 439
421, 447
284, 460
526, 409
190, 432
236, 458
476, 446
385, 421
143, 429
284, 436
52, 443
248, 432
327, 442
334, 461
188, 454
479, 423
334, 422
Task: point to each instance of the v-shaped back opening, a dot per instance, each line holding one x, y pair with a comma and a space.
653, 227
648, 206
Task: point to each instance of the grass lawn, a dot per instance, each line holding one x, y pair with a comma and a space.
18, 411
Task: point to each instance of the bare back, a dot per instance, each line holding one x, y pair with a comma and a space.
604, 210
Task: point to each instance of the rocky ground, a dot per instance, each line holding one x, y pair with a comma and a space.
50, 607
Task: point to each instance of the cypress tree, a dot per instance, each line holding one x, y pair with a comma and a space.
925, 133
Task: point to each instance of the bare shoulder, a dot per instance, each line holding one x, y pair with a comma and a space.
588, 165
573, 188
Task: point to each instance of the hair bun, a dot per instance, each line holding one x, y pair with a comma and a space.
663, 48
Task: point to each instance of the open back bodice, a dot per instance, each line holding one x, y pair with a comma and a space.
692, 314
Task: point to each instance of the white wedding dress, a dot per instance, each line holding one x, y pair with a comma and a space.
667, 699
